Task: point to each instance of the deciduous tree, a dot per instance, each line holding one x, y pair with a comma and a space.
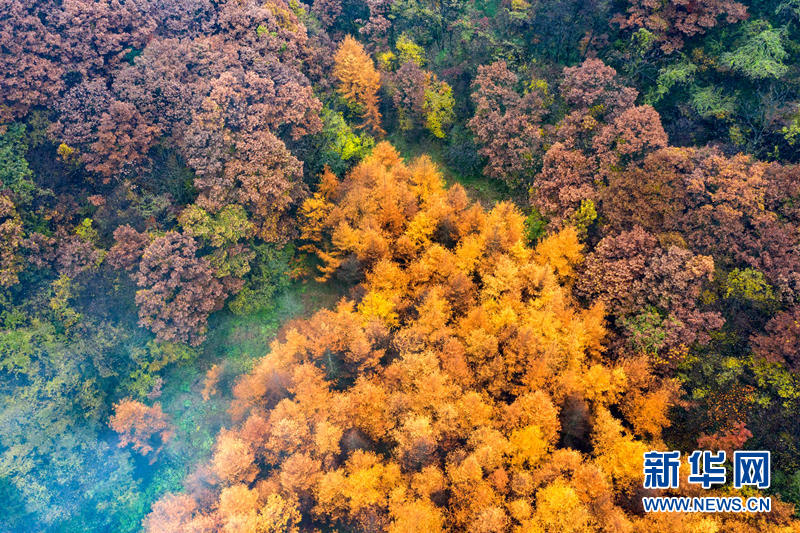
506, 124
128, 247
469, 399
671, 22
177, 289
145, 428
359, 81
10, 242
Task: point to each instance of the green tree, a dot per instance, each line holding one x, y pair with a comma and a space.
438, 107
761, 54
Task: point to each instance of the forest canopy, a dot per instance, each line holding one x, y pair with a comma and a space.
394, 265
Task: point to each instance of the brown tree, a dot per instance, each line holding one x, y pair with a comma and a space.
596, 143
123, 139
653, 291
594, 85
628, 138
726, 215
98, 33
506, 124
129, 245
408, 94
778, 343
178, 289
30, 73
167, 81
327, 11
675, 20
74, 255
238, 159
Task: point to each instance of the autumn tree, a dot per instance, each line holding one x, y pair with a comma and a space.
420, 98
652, 291
595, 86
122, 139
175, 514
711, 203
31, 74
110, 136
11, 238
671, 22
236, 155
603, 138
145, 428
97, 34
507, 124
359, 81
327, 10
725, 200
409, 94
128, 247
168, 80
226, 90
777, 343
73, 254
177, 289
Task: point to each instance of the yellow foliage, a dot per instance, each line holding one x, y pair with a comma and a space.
237, 500
418, 516
67, 153
409, 51
369, 481
603, 384
386, 60
428, 481
618, 454
529, 446
378, 305
562, 251
560, 510
421, 228
233, 460
278, 515
327, 437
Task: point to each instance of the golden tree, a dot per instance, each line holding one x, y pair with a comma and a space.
359, 81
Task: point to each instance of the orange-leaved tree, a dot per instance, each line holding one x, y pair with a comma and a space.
141, 426
359, 81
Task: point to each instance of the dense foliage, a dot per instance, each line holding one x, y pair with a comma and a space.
564, 232
466, 391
